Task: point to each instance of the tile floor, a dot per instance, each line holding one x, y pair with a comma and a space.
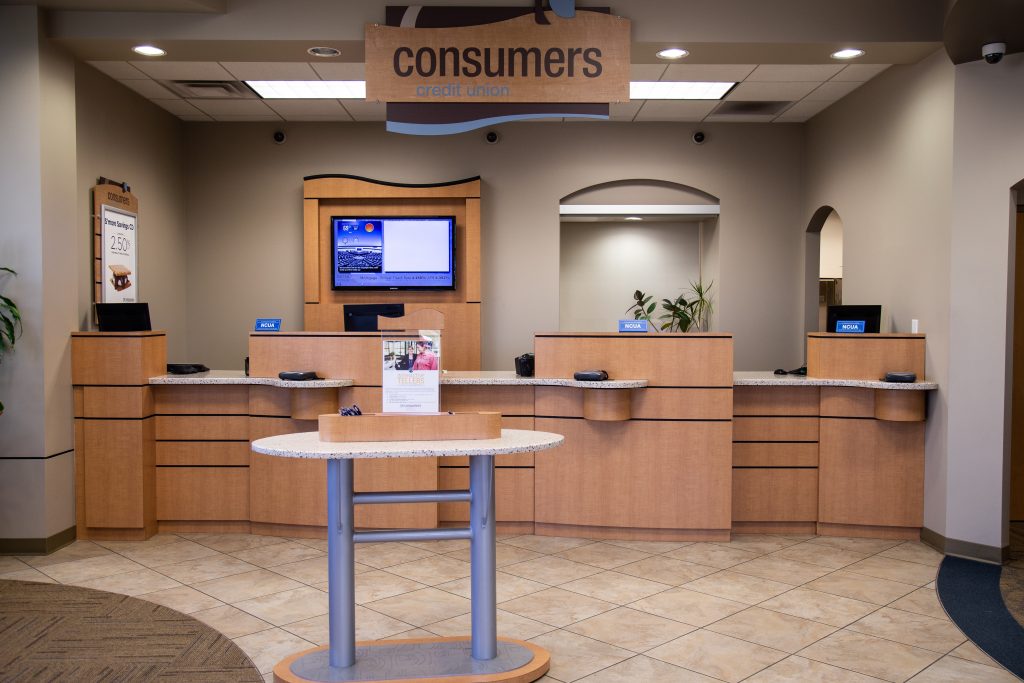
761, 608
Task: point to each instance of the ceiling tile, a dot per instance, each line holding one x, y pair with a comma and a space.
243, 117
198, 117
833, 90
708, 72
624, 111
801, 111
794, 72
219, 108
118, 69
271, 71
740, 118
179, 107
675, 110
646, 72
778, 92
294, 109
340, 71
860, 72
184, 71
150, 89
366, 111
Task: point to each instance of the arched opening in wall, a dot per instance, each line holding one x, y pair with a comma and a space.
1016, 487
655, 236
824, 267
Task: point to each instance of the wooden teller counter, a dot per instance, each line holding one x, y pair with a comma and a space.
675, 446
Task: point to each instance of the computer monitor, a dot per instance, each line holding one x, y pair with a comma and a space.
363, 317
854, 319
123, 317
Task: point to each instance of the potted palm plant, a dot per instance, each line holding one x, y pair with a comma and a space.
10, 324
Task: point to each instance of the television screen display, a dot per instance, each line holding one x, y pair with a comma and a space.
390, 253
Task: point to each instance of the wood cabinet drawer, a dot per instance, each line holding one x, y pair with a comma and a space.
200, 399
774, 454
228, 453
513, 494
202, 428
753, 400
775, 429
774, 495
202, 493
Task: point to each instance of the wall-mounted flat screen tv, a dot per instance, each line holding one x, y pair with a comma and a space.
393, 252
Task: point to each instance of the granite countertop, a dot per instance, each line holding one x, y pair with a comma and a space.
239, 377
308, 445
770, 379
508, 377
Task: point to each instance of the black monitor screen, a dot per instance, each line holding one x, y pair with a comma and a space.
854, 319
363, 317
123, 317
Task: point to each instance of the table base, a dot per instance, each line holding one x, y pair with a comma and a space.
423, 660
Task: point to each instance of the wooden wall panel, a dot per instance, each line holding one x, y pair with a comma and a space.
864, 356
507, 400
202, 493
679, 479
287, 490
266, 401
781, 400
396, 474
134, 402
310, 247
202, 427
117, 358
472, 277
350, 186
708, 357
780, 454
775, 429
334, 355
648, 403
227, 453
871, 473
775, 495
199, 399
847, 402
118, 473
513, 494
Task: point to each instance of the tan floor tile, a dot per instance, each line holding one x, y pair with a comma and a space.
441, 547
167, 553
666, 570
641, 669
578, 656
551, 570
422, 607
861, 587
973, 653
546, 545
267, 648
739, 587
603, 555
503, 555
413, 633
869, 655
689, 607
379, 584
820, 555
615, 587
759, 543
246, 586
630, 629
92, 568
868, 546
316, 543
10, 564
370, 625
652, 547
510, 625
780, 569
961, 671
206, 569
938, 635
231, 621
79, 550
269, 556
826, 608
913, 551
712, 555
286, 607
894, 570
233, 543
557, 607
183, 599
800, 670
713, 654
507, 587
311, 571
28, 575
433, 570
130, 583
922, 601
152, 541
772, 629
382, 555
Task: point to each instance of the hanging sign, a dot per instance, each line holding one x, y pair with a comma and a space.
115, 229
412, 372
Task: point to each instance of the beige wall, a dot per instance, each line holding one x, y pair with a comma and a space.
883, 158
830, 263
245, 233
125, 137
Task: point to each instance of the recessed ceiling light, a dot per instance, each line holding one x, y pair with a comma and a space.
632, 218
672, 53
677, 90
309, 90
324, 51
149, 51
848, 53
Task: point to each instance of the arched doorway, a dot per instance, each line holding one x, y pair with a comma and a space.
824, 267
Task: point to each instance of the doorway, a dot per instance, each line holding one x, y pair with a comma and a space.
823, 268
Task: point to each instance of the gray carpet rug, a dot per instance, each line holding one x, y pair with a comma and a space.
51, 632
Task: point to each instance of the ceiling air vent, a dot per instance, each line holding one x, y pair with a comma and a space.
211, 90
736, 108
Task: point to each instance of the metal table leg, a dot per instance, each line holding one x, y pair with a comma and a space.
341, 584
482, 563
